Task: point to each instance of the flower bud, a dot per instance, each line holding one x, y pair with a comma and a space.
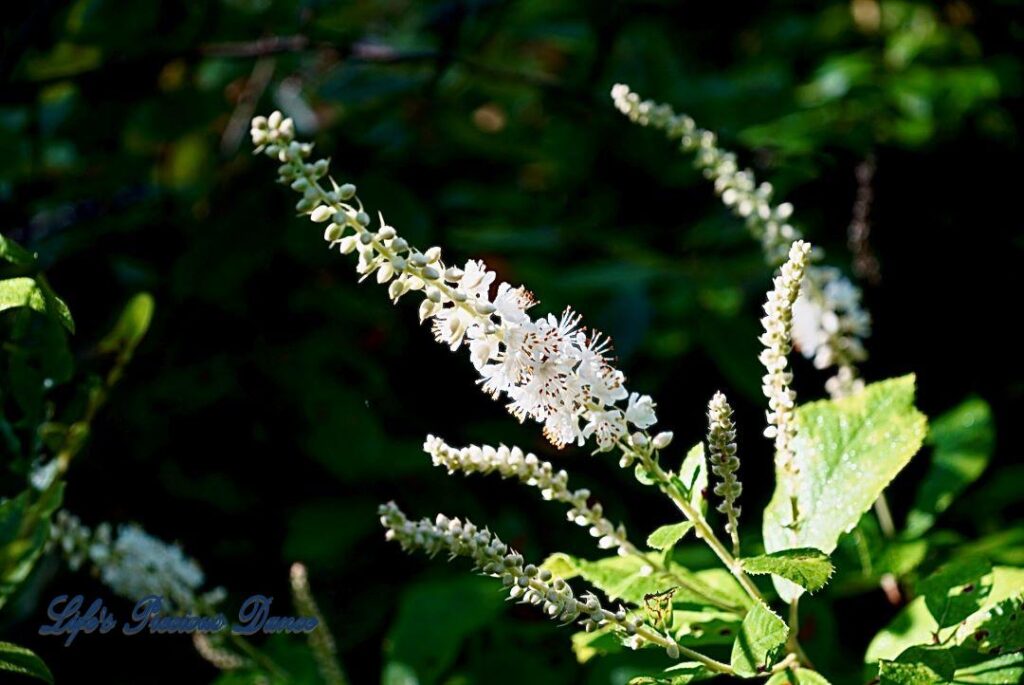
662, 440
347, 191
321, 214
333, 232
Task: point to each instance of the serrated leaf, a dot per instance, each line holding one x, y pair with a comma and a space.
666, 537
797, 676
16, 659
846, 452
28, 292
629, 579
807, 567
761, 635
131, 325
956, 590
963, 439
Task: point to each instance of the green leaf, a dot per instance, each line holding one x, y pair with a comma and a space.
24, 531
956, 590
14, 253
15, 659
694, 475
797, 676
963, 439
131, 326
1006, 669
28, 292
846, 452
629, 579
938, 659
914, 625
896, 673
761, 635
807, 567
999, 629
595, 643
666, 537
561, 565
624, 578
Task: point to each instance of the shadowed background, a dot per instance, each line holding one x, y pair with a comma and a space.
275, 401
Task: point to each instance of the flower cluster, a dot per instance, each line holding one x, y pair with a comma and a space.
133, 564
828, 325
525, 582
528, 469
725, 463
550, 369
830, 319
777, 341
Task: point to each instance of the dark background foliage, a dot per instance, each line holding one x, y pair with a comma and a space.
276, 402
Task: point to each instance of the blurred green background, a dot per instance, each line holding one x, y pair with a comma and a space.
275, 401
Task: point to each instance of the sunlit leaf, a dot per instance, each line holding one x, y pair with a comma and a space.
762, 634
666, 537
846, 452
15, 659
809, 568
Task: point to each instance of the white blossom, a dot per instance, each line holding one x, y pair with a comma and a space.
549, 369
133, 564
829, 325
777, 341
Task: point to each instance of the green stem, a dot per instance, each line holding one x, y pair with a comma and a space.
884, 515
654, 637
700, 524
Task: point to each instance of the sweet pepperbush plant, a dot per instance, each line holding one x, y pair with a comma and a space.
834, 459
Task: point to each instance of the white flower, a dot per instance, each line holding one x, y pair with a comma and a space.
141, 565
563, 428
606, 427
550, 370
511, 304
476, 280
640, 411
777, 341
451, 324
